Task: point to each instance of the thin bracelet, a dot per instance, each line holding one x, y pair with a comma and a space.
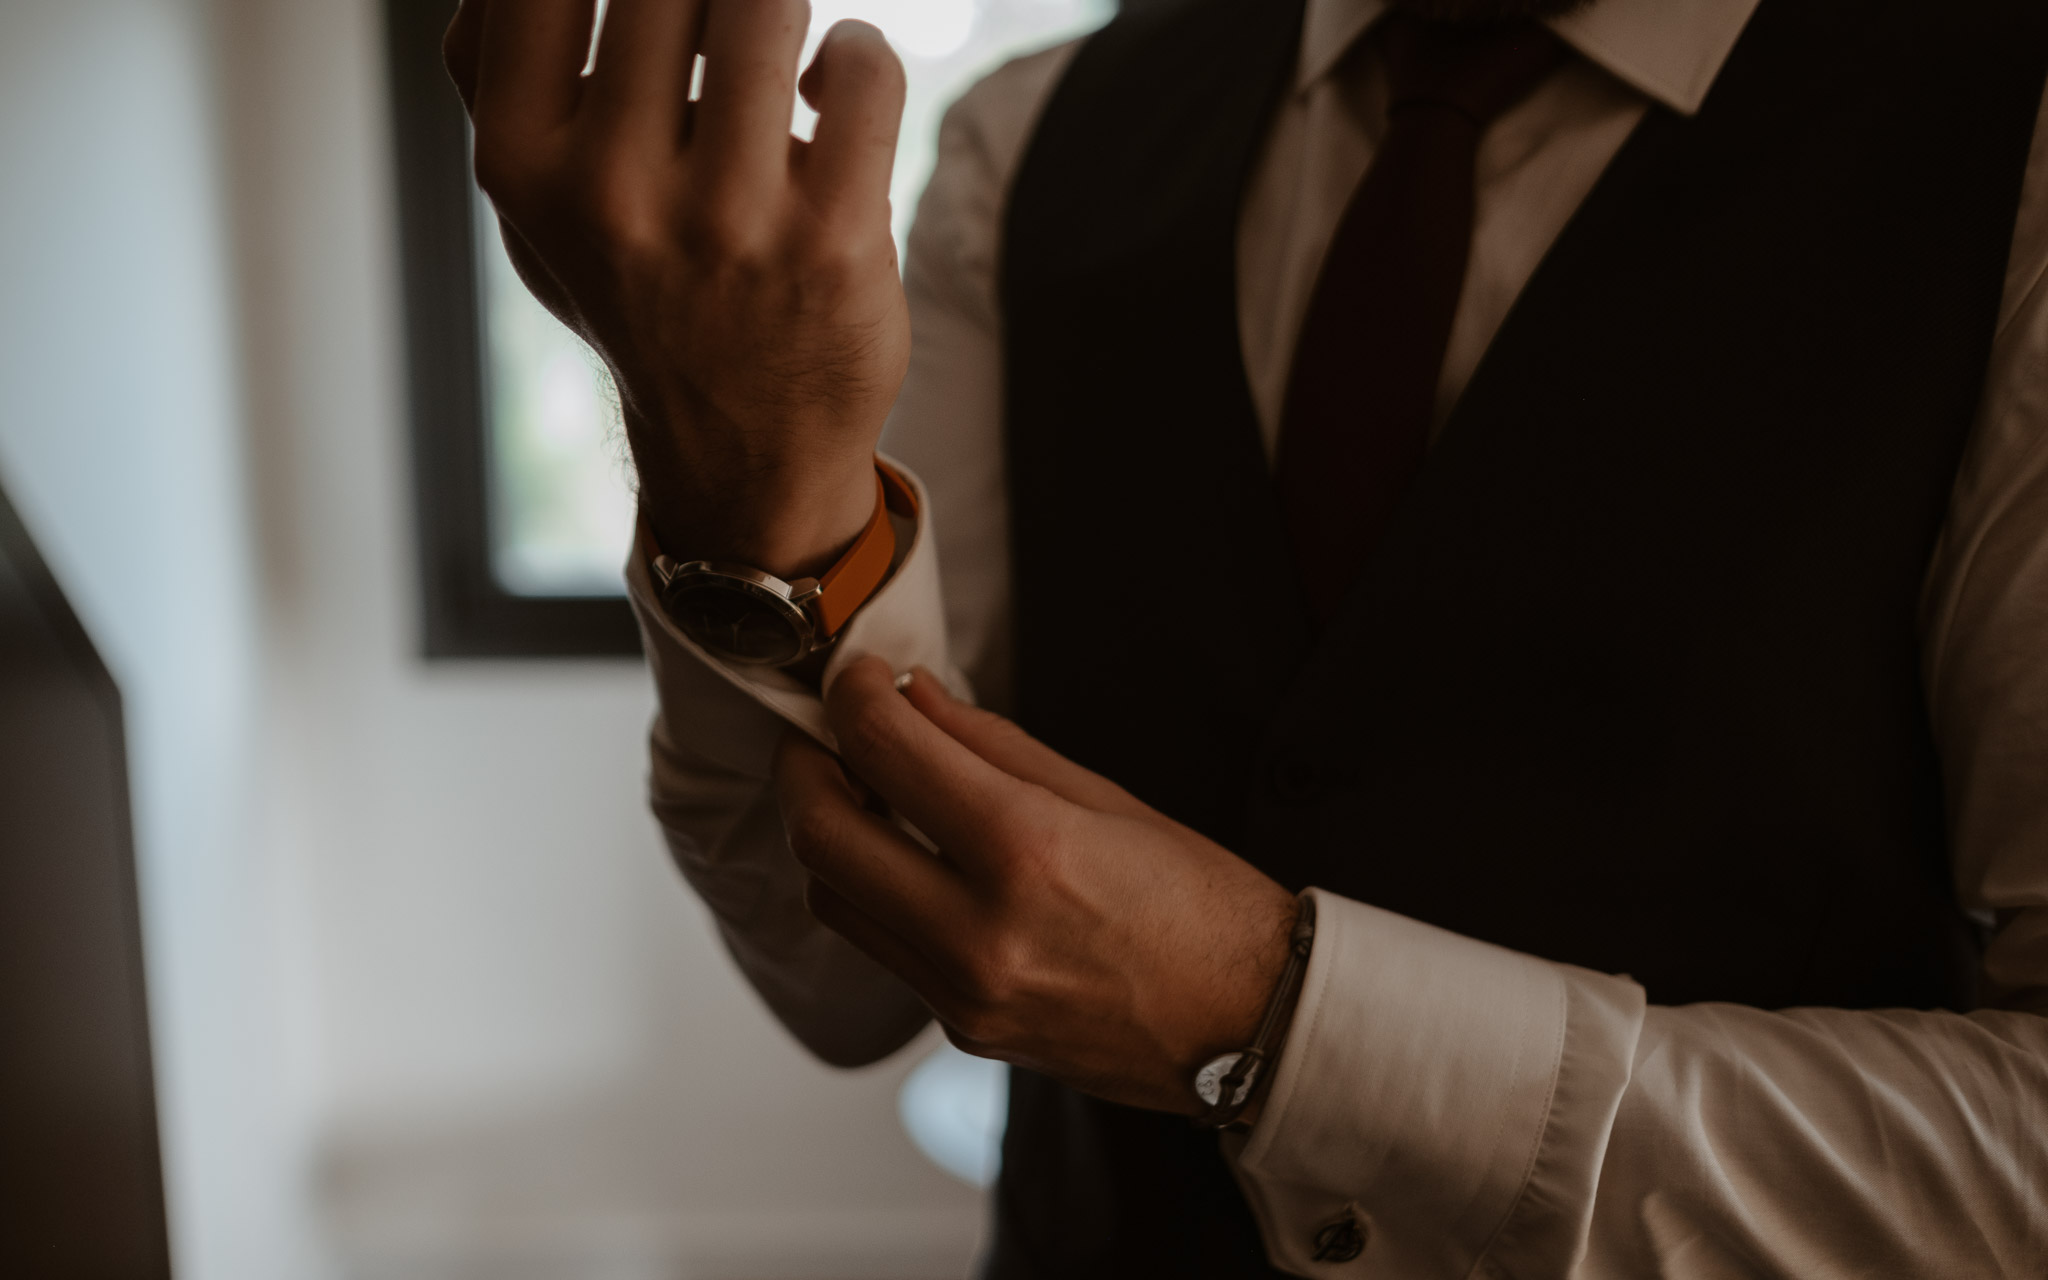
1227, 1085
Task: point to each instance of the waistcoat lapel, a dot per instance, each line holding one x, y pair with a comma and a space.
1136, 450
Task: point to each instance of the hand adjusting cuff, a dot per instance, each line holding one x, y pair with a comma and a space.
745, 615
1227, 1085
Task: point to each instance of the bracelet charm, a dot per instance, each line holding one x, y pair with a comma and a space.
1217, 1075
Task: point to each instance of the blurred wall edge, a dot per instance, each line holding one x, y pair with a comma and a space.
428, 1000
121, 439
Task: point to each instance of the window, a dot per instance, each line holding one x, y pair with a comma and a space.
523, 496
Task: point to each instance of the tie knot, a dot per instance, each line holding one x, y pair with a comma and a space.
1478, 70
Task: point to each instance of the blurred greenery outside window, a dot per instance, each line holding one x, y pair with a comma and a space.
559, 493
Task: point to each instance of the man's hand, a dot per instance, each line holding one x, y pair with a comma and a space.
1063, 925
739, 283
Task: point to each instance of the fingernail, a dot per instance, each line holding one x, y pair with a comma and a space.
903, 681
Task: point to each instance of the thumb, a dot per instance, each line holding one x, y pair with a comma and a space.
1006, 746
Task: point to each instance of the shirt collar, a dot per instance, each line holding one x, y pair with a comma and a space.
1671, 50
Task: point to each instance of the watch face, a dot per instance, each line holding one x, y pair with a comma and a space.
738, 621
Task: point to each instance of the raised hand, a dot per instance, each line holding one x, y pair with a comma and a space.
1063, 925
739, 283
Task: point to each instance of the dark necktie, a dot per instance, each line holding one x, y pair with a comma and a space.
1362, 392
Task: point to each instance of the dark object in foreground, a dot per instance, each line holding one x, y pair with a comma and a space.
81, 1187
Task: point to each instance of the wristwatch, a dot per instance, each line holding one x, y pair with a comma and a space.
747, 616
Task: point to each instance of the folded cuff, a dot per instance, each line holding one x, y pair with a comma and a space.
733, 715
1452, 1097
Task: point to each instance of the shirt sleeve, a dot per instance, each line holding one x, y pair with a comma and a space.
715, 732
711, 750
1477, 1112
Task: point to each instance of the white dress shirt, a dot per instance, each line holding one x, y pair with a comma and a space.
1481, 1112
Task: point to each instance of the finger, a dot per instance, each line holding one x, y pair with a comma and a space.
864, 858
750, 51
641, 82
1000, 742
855, 83
530, 67
951, 794
833, 910
462, 46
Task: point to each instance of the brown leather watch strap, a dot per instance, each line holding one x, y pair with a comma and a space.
846, 586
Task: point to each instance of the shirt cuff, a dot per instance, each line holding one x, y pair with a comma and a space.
1451, 1097
716, 709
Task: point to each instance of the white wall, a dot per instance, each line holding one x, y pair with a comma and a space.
120, 439
430, 1001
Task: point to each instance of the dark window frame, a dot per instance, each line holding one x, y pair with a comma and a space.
465, 611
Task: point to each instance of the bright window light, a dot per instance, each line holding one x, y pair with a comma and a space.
954, 1106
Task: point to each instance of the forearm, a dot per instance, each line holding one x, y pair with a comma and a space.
1475, 1107
1828, 1142
727, 839
719, 724
711, 745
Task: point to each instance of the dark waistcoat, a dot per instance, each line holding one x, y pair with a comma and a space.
1633, 682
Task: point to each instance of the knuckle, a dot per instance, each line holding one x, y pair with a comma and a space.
889, 72
862, 60
814, 832
720, 229
880, 71
455, 58
1004, 734
978, 1033
867, 731
862, 52
617, 204
993, 975
790, 755
459, 46
820, 901
958, 1036
501, 172
981, 1021
972, 1028
837, 260
1027, 840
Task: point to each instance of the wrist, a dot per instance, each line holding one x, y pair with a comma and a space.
745, 614
1232, 1086
793, 529
1252, 1109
